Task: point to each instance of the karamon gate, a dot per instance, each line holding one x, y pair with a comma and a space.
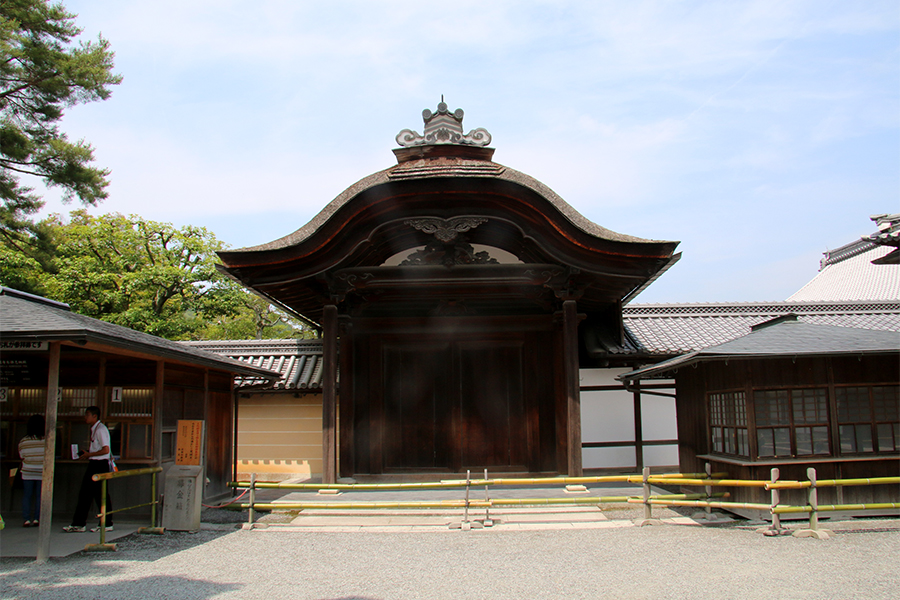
460, 293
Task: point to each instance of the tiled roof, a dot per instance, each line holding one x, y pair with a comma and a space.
848, 272
852, 276
298, 361
27, 317
666, 329
788, 338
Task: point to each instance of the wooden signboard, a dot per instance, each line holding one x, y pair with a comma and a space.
190, 443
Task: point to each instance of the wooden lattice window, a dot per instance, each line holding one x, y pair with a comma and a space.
810, 421
773, 422
728, 423
792, 422
868, 418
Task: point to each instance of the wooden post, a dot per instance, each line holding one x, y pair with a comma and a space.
159, 390
645, 476
573, 393
43, 549
813, 500
775, 528
814, 530
252, 513
648, 512
329, 394
638, 428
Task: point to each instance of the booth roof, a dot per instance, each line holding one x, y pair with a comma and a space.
25, 317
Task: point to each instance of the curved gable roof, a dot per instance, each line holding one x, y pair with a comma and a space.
373, 220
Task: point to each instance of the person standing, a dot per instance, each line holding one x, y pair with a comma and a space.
31, 451
98, 457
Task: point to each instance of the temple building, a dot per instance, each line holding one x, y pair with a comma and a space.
460, 299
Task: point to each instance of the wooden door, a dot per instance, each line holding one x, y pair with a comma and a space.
417, 406
453, 405
428, 399
492, 405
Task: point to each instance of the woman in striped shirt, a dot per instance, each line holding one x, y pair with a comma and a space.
31, 451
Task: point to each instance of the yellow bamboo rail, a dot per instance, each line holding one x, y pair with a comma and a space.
494, 502
424, 485
704, 482
797, 485
103, 478
126, 473
835, 507
688, 500
701, 503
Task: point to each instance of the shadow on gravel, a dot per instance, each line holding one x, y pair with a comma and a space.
157, 586
134, 547
148, 548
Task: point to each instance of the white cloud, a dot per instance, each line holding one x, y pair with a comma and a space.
701, 121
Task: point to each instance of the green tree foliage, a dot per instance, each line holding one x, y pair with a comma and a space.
42, 71
148, 276
255, 319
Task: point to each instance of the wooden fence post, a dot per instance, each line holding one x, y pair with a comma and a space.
813, 531
648, 513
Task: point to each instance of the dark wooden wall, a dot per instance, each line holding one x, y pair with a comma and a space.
449, 394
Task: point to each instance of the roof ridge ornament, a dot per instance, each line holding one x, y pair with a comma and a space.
444, 127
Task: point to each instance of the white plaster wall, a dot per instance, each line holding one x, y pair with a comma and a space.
661, 456
658, 416
608, 416
607, 457
600, 376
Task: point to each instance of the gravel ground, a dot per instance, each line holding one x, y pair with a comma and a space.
722, 562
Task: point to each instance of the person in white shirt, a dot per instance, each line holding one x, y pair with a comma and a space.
98, 459
31, 451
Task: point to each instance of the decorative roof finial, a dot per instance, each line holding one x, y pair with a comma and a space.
444, 127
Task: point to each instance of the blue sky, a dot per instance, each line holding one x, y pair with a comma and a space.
758, 134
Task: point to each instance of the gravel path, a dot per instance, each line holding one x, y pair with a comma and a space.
628, 562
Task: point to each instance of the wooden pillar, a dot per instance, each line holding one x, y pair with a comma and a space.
638, 428
573, 393
234, 431
329, 394
43, 549
158, 407
346, 456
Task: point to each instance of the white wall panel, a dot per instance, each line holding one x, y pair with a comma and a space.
600, 376
607, 417
658, 417
595, 458
660, 456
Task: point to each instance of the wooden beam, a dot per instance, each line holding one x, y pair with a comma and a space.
329, 394
573, 393
43, 549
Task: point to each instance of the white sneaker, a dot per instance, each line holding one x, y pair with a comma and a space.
96, 529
